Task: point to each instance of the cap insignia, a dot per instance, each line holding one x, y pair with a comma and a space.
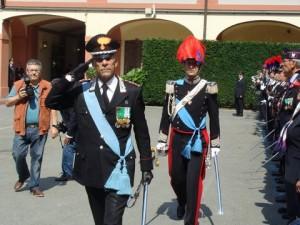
103, 41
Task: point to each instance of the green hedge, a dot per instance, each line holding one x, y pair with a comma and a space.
224, 60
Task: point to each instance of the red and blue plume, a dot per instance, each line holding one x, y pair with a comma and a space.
273, 63
276, 63
191, 48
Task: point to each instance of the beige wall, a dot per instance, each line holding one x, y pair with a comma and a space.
136, 24
218, 23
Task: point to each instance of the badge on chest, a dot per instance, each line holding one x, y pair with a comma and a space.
122, 117
288, 102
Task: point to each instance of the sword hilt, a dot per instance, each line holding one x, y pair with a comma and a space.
154, 156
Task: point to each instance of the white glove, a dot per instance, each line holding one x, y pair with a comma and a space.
214, 151
162, 148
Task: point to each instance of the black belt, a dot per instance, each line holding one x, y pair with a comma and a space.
32, 125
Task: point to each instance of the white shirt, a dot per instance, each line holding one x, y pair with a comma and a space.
111, 84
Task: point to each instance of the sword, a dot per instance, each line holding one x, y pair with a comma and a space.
264, 138
220, 206
266, 122
145, 197
268, 147
132, 198
269, 160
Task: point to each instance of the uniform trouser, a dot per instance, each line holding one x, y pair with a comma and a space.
239, 105
186, 177
107, 207
293, 200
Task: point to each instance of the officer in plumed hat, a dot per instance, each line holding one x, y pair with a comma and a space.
107, 108
183, 132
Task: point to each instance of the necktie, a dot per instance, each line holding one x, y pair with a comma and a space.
104, 94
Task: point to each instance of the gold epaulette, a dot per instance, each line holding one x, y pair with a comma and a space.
170, 86
212, 88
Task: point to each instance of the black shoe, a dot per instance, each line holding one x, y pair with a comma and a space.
63, 178
280, 198
282, 210
286, 217
279, 180
180, 212
280, 188
276, 174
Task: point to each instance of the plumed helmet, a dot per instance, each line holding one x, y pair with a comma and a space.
273, 63
191, 48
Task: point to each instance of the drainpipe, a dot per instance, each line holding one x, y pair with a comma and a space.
205, 20
2, 4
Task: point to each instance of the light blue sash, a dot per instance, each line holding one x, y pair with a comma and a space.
119, 179
186, 118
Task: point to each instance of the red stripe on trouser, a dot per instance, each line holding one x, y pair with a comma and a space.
170, 150
202, 175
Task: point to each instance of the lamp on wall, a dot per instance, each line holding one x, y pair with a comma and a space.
150, 12
44, 44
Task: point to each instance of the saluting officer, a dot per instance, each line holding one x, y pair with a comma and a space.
186, 105
106, 107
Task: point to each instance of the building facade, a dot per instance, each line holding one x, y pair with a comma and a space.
55, 31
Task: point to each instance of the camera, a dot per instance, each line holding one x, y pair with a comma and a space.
28, 88
61, 127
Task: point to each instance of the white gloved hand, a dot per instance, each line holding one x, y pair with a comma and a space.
214, 151
162, 148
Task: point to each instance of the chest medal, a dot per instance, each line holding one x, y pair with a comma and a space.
122, 117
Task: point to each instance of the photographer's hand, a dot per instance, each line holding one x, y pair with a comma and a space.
22, 93
11, 101
53, 132
67, 140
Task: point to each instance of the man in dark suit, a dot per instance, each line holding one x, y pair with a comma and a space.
68, 126
239, 94
11, 73
106, 108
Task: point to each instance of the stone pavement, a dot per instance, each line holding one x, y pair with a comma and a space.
248, 195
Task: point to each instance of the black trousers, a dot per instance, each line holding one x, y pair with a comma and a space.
293, 200
239, 105
186, 178
107, 207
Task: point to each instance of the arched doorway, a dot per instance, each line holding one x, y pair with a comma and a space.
266, 31
57, 41
132, 34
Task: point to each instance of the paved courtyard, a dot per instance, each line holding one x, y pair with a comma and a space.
248, 192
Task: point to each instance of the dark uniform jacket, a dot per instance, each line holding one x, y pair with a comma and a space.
201, 103
289, 101
292, 158
69, 121
94, 160
240, 88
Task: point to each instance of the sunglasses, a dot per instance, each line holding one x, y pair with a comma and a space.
104, 57
191, 63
